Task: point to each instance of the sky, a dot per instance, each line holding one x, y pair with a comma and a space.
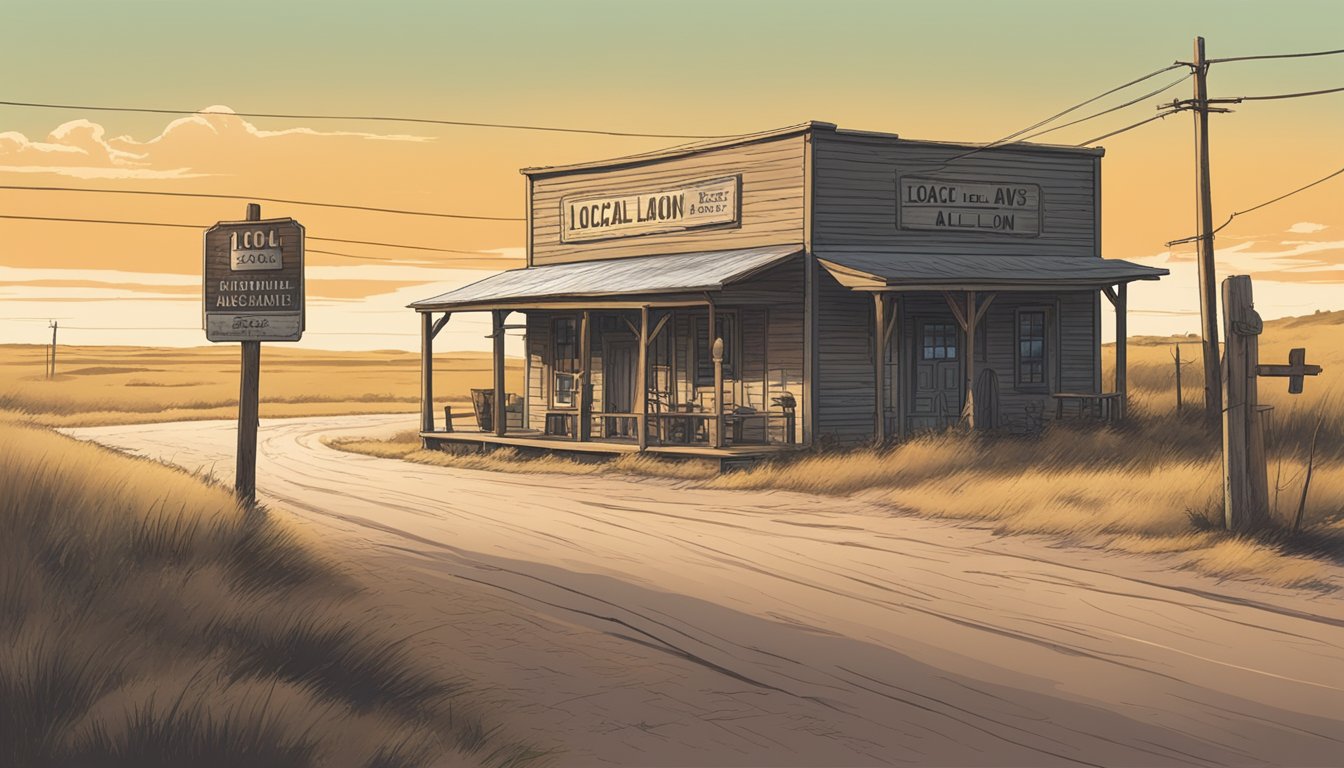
949, 70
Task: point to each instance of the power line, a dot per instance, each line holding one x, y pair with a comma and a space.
1131, 127
1073, 108
38, 188
1235, 214
197, 227
1117, 107
370, 118
1282, 95
1275, 56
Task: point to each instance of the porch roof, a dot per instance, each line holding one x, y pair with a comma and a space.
678, 273
876, 268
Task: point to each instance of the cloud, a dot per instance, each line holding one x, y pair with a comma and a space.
1306, 227
82, 149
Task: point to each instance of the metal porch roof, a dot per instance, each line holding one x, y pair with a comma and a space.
669, 273
875, 268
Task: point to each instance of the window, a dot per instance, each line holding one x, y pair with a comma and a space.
939, 341
1031, 349
724, 328
565, 361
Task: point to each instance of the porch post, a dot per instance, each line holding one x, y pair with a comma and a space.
894, 331
968, 410
642, 388
716, 423
584, 429
426, 372
1121, 353
880, 367
498, 333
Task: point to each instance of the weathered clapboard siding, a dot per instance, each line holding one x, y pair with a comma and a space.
539, 358
771, 210
844, 364
1079, 346
855, 203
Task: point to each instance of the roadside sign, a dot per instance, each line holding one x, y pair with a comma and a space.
254, 281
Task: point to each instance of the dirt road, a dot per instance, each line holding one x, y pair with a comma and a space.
643, 623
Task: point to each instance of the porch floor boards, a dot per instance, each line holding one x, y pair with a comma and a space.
535, 439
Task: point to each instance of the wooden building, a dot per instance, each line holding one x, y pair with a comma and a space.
799, 287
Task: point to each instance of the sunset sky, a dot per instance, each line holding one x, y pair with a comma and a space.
972, 71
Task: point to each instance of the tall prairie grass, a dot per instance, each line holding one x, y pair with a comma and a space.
147, 620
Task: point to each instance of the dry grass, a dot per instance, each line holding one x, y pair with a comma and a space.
1151, 486
129, 385
147, 620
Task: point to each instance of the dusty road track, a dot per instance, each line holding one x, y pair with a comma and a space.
638, 623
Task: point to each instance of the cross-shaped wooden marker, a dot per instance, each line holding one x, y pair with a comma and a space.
1295, 369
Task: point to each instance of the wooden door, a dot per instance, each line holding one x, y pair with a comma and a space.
935, 393
620, 359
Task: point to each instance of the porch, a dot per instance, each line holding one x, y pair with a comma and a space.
669, 355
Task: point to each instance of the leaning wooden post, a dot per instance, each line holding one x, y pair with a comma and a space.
501, 415
426, 372
1179, 394
642, 377
879, 368
1245, 475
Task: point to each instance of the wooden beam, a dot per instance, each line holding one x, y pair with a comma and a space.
642, 392
879, 368
434, 332
956, 309
427, 371
984, 307
583, 430
630, 325
1109, 293
501, 419
897, 332
657, 329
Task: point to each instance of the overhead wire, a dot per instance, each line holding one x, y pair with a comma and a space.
255, 198
1130, 127
1245, 211
73, 220
1284, 95
1116, 108
360, 118
1274, 56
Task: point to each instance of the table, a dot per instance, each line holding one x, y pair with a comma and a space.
1108, 406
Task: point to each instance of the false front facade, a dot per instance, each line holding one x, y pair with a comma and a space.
801, 287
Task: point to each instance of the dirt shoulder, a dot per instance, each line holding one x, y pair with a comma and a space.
650, 622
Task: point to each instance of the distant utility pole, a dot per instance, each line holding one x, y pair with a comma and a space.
54, 324
1208, 278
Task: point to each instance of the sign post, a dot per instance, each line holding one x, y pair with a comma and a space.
254, 292
1245, 471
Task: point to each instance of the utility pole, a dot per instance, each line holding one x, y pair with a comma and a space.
1208, 278
54, 325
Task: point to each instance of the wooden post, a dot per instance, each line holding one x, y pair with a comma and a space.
642, 377
55, 324
880, 367
1208, 279
712, 333
1121, 346
1179, 393
1245, 475
427, 372
584, 429
894, 331
717, 352
249, 388
501, 415
968, 409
